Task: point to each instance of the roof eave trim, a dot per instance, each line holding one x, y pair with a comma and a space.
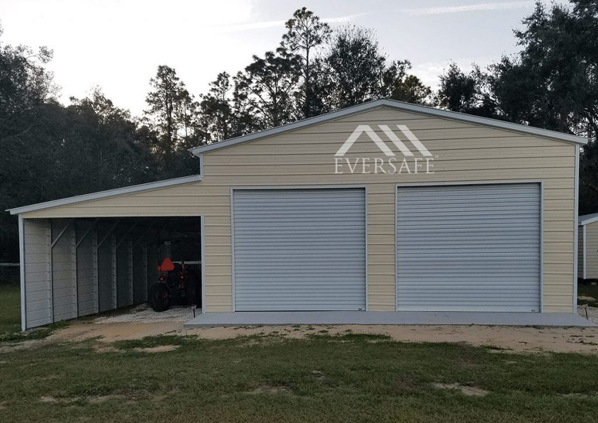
289, 127
105, 194
400, 106
588, 221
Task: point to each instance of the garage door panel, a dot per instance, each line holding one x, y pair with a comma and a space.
299, 249
469, 248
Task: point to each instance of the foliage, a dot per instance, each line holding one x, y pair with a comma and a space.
216, 110
268, 86
397, 84
52, 150
305, 33
356, 67
551, 83
171, 111
466, 93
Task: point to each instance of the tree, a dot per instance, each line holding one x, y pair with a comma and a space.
397, 84
110, 150
467, 93
216, 110
171, 110
553, 82
25, 84
268, 87
306, 32
356, 66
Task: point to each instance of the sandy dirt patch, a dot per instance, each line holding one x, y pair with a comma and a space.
512, 339
586, 298
470, 391
158, 349
111, 332
144, 314
590, 312
142, 322
508, 339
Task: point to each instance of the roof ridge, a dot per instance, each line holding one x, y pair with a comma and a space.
393, 104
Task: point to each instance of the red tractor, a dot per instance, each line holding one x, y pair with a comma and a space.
176, 285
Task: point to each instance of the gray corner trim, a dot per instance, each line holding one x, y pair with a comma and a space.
367, 259
396, 216
75, 267
202, 225
232, 249
105, 194
399, 105
575, 230
541, 246
52, 302
22, 273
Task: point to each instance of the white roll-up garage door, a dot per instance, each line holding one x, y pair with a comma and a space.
300, 249
469, 248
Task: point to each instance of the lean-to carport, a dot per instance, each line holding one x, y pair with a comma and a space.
77, 267
82, 264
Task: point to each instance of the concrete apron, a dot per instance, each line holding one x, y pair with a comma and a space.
271, 318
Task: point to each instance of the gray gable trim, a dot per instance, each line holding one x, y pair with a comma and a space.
399, 105
105, 194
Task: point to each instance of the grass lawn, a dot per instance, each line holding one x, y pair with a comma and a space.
10, 317
328, 379
10, 309
261, 379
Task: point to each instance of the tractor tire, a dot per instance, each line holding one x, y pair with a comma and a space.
159, 297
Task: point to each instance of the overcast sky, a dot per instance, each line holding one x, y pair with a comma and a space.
118, 44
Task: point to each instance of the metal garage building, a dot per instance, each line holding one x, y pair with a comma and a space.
385, 206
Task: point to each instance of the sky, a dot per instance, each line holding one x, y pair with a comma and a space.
118, 44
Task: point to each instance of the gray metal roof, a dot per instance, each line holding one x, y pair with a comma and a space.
105, 194
588, 218
399, 105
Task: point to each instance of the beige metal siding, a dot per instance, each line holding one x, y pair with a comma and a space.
463, 153
592, 250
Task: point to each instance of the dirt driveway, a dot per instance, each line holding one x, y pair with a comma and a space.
141, 323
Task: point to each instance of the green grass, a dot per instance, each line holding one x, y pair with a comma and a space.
323, 378
10, 309
588, 290
10, 318
262, 379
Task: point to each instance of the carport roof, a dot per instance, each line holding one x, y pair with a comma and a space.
399, 105
588, 218
104, 194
